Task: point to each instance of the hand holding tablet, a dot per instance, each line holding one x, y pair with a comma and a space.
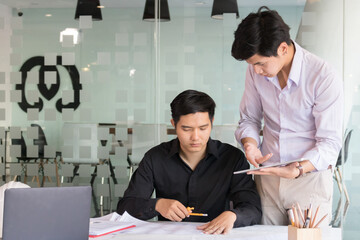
269, 166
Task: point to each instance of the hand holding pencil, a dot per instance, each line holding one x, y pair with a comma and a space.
195, 214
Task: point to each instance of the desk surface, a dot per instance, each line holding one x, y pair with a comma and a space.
257, 232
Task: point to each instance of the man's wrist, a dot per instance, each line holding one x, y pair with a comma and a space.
301, 171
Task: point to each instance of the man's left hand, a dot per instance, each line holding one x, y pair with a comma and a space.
219, 225
288, 171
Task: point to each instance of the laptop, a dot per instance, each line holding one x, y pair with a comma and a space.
54, 213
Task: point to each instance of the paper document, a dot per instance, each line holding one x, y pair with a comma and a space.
100, 228
272, 165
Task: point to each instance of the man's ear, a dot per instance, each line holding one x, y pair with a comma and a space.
173, 123
212, 122
282, 49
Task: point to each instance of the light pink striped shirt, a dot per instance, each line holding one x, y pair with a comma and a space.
302, 120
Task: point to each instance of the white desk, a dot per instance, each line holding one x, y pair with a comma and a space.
257, 232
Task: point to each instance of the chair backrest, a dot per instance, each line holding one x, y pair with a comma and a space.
41, 140
20, 141
346, 148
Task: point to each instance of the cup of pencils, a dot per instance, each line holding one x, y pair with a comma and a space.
304, 224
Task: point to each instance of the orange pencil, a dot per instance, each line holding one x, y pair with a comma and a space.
320, 221
313, 220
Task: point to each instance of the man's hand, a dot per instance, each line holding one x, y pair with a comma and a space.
288, 171
254, 155
220, 225
171, 209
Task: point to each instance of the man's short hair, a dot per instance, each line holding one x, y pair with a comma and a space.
192, 101
260, 33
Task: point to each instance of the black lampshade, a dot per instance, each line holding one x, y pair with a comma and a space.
149, 11
224, 6
88, 7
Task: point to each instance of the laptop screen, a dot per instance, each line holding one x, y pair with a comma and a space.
47, 213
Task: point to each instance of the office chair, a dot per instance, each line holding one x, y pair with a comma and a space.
337, 171
339, 179
51, 171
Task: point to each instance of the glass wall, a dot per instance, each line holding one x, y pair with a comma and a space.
100, 90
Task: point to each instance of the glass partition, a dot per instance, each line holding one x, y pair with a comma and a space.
89, 84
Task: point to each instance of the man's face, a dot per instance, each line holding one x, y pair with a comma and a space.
193, 131
266, 66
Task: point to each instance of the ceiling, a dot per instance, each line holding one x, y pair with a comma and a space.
140, 3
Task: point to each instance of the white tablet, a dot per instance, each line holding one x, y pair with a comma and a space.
272, 165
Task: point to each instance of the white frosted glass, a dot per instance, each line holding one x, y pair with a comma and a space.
121, 115
15, 96
170, 95
68, 58
121, 96
86, 76
67, 114
121, 134
140, 96
15, 59
2, 96
2, 77
122, 39
33, 114
85, 96
103, 58
122, 58
139, 115
50, 114
68, 41
32, 151
85, 115
16, 42
85, 152
15, 132
15, 77
171, 77
32, 77
67, 96
85, 133
49, 151
32, 96
189, 25
16, 23
85, 22
2, 114
103, 76
50, 77
32, 132
140, 58
140, 39
50, 59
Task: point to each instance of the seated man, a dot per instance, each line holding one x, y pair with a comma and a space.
193, 171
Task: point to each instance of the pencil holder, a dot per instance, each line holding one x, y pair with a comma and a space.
295, 233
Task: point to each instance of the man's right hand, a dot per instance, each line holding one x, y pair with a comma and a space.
254, 155
171, 209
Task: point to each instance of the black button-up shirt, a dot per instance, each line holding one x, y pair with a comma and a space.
209, 188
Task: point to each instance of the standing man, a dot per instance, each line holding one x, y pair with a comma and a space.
193, 171
299, 98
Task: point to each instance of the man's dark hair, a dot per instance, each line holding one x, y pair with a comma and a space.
191, 101
260, 33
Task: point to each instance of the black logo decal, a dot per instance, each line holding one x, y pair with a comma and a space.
48, 93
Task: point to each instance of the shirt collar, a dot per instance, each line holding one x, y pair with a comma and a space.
211, 148
295, 70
